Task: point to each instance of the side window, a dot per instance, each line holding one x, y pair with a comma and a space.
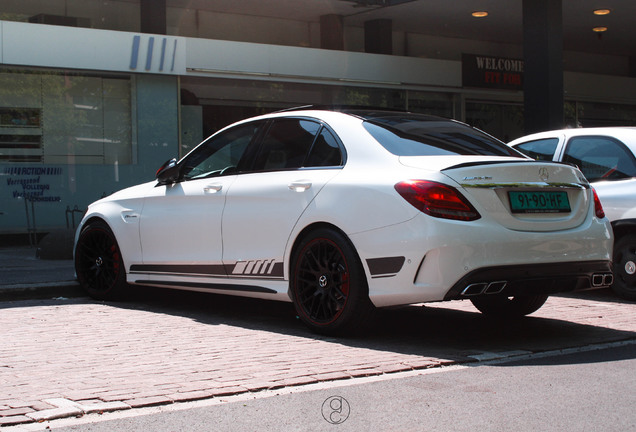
542, 150
286, 144
219, 154
600, 158
325, 151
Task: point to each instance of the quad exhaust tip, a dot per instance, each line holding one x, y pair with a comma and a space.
602, 279
480, 288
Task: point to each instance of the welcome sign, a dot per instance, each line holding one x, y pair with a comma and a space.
492, 72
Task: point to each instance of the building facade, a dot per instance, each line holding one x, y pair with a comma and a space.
92, 102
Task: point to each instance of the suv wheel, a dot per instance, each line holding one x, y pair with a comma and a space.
625, 267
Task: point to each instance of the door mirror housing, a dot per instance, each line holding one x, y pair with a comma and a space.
168, 172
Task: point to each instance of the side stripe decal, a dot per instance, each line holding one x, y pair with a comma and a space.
259, 267
269, 269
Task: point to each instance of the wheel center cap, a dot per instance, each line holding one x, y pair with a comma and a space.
322, 281
99, 261
630, 267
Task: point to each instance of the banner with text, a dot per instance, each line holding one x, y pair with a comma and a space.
492, 72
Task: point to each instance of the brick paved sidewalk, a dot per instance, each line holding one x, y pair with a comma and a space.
68, 357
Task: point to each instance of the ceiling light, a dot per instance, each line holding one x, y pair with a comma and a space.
480, 14
599, 29
602, 12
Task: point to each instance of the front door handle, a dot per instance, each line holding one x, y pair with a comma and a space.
212, 188
299, 186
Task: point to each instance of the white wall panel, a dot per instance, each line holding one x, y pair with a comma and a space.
80, 48
207, 57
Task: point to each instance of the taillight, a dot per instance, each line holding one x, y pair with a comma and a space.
437, 199
598, 207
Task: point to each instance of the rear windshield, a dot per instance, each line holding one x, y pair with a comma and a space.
407, 136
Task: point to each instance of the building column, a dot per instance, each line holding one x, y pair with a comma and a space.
331, 32
632, 66
378, 36
543, 65
153, 16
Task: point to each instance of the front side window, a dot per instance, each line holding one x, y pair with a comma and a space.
220, 154
541, 150
600, 158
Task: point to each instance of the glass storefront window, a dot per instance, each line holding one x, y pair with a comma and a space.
61, 118
207, 105
597, 114
501, 120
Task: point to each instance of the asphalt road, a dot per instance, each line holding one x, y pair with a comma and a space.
589, 390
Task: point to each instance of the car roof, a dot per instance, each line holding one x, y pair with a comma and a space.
367, 113
626, 134
570, 132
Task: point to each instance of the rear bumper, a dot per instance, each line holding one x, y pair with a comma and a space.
517, 280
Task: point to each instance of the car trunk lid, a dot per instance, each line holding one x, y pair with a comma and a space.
519, 194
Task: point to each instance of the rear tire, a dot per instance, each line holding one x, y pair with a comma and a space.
328, 284
625, 267
98, 262
508, 307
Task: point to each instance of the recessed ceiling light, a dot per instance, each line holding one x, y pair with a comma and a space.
602, 12
599, 29
480, 14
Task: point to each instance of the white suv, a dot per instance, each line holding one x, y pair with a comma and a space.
607, 158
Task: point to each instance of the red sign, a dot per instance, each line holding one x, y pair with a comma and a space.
492, 72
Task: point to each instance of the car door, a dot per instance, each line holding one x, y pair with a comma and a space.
610, 167
297, 157
180, 224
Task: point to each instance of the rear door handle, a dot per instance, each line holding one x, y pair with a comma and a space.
212, 188
299, 186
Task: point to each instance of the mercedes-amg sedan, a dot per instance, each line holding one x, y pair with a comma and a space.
341, 211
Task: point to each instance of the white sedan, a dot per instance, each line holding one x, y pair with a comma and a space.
607, 157
343, 211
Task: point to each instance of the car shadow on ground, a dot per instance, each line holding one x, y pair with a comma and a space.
429, 330
423, 330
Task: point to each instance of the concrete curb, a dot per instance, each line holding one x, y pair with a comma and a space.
40, 291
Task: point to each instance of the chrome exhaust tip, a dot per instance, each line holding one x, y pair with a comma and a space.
474, 289
495, 287
602, 279
480, 288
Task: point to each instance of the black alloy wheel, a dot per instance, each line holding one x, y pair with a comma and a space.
328, 284
625, 267
98, 262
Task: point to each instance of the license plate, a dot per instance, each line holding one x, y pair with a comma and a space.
539, 202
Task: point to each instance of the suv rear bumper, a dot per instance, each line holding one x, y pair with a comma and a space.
533, 279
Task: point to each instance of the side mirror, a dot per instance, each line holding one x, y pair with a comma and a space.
168, 172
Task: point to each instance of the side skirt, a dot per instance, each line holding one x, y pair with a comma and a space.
201, 286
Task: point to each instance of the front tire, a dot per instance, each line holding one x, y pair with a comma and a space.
508, 307
328, 284
625, 267
98, 262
